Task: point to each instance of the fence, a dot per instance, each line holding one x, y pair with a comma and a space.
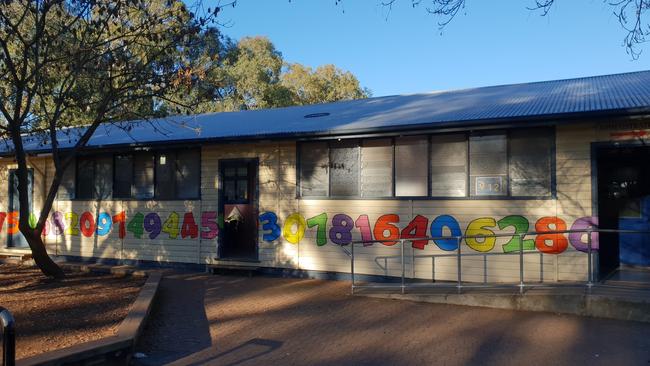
459, 255
8, 338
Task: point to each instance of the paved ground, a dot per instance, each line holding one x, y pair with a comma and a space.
227, 320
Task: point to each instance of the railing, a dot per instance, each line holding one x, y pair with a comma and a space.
8, 338
459, 255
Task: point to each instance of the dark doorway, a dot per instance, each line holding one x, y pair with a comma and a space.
239, 207
17, 240
624, 204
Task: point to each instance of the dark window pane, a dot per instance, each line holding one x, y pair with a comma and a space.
165, 176
123, 176
103, 177
85, 178
344, 169
67, 186
188, 171
143, 176
488, 165
411, 173
377, 168
314, 168
242, 189
229, 191
530, 162
449, 165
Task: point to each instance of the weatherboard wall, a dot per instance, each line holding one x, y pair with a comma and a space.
277, 195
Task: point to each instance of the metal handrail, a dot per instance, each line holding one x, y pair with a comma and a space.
459, 255
8, 338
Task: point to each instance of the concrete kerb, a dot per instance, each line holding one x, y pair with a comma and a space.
116, 349
634, 308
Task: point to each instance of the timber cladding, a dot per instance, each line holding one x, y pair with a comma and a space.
305, 233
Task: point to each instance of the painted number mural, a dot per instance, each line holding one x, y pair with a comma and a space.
386, 231
337, 228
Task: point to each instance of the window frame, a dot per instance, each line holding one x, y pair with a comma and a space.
508, 196
155, 153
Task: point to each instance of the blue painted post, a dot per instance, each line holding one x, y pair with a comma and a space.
8, 338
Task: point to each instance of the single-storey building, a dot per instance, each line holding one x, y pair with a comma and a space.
289, 188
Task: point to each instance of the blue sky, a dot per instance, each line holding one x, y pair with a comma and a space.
403, 52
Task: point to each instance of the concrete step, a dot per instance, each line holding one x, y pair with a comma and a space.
236, 267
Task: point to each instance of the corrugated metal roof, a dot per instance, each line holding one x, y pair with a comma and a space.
619, 93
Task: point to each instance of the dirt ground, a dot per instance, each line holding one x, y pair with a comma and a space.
54, 314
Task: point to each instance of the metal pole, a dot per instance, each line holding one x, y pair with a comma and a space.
8, 338
433, 268
460, 283
541, 267
401, 243
352, 266
521, 264
589, 264
484, 269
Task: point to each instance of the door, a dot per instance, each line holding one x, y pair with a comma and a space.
624, 204
17, 240
239, 207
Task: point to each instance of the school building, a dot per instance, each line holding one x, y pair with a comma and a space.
290, 188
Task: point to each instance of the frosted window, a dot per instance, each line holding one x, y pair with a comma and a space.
103, 177
143, 184
411, 171
530, 162
344, 169
488, 165
377, 168
449, 165
67, 186
314, 169
188, 172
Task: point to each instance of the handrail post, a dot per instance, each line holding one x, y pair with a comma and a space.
521, 264
8, 338
460, 283
485, 269
589, 264
352, 267
401, 243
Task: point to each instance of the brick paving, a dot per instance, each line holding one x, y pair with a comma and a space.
228, 320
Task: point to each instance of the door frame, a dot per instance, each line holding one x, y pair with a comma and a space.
10, 202
256, 204
597, 146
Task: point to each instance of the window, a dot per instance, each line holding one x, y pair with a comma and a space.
517, 163
377, 168
449, 165
165, 177
188, 174
488, 165
141, 175
314, 169
123, 176
66, 187
344, 169
94, 177
411, 172
530, 162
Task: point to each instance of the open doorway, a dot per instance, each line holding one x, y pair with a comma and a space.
239, 206
623, 181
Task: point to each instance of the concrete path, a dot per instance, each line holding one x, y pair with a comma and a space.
226, 320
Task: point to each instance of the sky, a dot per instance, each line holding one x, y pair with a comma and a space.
404, 51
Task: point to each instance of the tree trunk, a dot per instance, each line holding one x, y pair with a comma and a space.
40, 256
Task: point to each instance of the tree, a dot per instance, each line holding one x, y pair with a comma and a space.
84, 62
631, 14
252, 74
